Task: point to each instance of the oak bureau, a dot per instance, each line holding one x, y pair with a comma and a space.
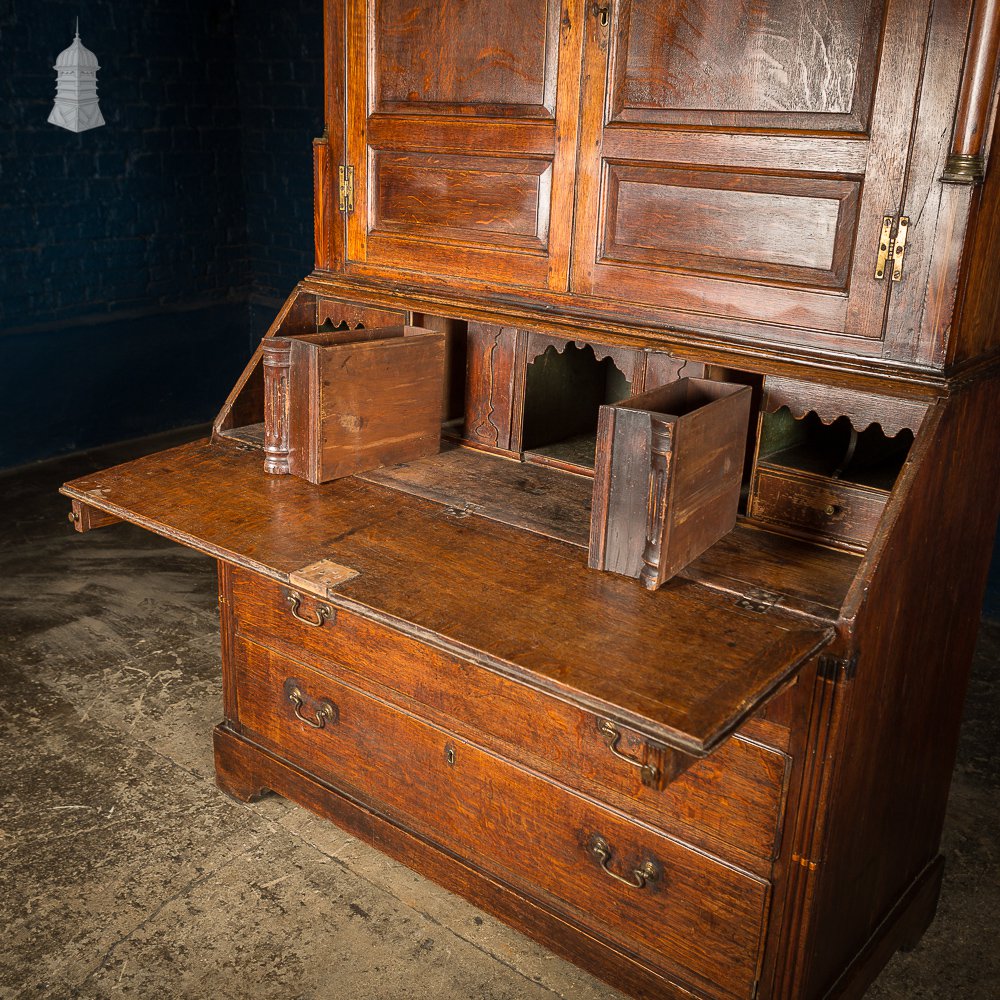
732, 786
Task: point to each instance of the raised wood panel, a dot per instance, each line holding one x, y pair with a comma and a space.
492, 200
749, 62
686, 204
796, 229
490, 377
500, 57
463, 151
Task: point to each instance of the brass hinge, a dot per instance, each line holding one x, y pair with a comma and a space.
892, 246
345, 188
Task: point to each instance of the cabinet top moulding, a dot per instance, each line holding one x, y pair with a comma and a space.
906, 381
732, 211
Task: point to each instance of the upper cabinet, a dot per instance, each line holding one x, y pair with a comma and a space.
759, 172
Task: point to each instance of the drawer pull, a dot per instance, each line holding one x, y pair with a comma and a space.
641, 877
322, 612
649, 772
326, 711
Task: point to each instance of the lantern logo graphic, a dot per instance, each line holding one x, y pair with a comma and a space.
76, 105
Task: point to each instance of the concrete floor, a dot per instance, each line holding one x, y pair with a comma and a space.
124, 872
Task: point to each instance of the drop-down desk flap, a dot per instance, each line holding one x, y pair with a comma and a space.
684, 666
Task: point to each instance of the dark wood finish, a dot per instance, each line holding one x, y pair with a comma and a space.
966, 160
490, 395
346, 402
527, 496
686, 190
818, 495
978, 315
901, 930
535, 835
824, 509
246, 770
325, 204
342, 315
837, 130
242, 416
276, 362
691, 683
748, 562
83, 517
669, 467
730, 804
245, 403
830, 402
227, 631
424, 134
334, 101
794, 228
906, 699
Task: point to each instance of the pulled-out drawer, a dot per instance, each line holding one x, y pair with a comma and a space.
823, 509
731, 802
683, 911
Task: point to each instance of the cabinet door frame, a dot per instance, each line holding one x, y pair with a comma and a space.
536, 144
875, 158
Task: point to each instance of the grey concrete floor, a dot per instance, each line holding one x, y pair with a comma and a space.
124, 872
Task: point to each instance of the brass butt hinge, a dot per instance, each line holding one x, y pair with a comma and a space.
345, 188
838, 669
892, 247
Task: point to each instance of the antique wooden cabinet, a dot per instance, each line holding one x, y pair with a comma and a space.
732, 786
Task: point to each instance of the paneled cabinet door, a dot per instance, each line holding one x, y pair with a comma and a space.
737, 160
461, 129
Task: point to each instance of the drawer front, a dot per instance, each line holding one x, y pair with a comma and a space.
824, 509
730, 803
694, 916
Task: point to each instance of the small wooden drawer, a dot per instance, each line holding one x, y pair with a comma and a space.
730, 803
685, 912
824, 509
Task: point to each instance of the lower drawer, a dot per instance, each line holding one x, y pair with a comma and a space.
691, 915
730, 803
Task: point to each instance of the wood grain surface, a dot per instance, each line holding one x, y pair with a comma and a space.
685, 665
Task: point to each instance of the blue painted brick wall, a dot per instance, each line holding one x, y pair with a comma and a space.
162, 237
147, 211
280, 85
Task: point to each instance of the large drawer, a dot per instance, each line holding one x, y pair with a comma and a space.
730, 803
689, 914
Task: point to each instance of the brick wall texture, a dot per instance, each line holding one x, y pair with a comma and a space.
197, 192
199, 186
